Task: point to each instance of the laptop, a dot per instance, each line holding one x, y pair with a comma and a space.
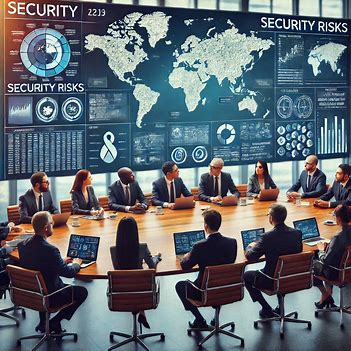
309, 229
250, 235
84, 247
231, 200
184, 202
269, 194
60, 218
184, 241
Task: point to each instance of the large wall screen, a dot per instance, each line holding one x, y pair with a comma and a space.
100, 86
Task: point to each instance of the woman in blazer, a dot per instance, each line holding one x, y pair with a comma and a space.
83, 197
260, 180
130, 254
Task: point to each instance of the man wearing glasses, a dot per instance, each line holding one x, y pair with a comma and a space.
166, 189
312, 180
36, 199
215, 184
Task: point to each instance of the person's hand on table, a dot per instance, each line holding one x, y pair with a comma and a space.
68, 260
77, 260
321, 203
171, 205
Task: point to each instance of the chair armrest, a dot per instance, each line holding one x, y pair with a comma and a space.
194, 286
60, 290
267, 276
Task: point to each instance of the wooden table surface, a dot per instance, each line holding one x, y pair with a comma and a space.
157, 231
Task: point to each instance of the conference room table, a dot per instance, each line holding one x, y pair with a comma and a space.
157, 230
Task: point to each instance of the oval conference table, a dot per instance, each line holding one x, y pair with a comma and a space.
157, 231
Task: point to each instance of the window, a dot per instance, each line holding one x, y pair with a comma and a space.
179, 3
284, 7
332, 8
207, 4
260, 6
309, 8
230, 5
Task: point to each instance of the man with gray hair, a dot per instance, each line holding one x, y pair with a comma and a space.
215, 184
39, 255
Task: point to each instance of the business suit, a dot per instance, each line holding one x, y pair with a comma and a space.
28, 205
281, 240
4, 231
117, 199
160, 193
80, 206
315, 189
253, 188
144, 255
214, 250
37, 254
341, 194
206, 186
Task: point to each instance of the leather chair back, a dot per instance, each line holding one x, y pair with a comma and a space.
242, 188
344, 276
13, 214
103, 201
66, 206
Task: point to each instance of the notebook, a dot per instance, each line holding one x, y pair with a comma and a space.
269, 194
309, 229
184, 241
184, 202
231, 200
60, 218
250, 235
84, 247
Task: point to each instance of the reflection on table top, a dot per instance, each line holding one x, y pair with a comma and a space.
157, 231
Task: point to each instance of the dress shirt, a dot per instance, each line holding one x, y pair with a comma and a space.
219, 184
124, 186
37, 199
169, 182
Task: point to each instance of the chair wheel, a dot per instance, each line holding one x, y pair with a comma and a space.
23, 314
199, 346
242, 344
111, 338
342, 326
255, 325
162, 337
17, 323
18, 343
75, 338
232, 327
309, 325
316, 314
296, 315
282, 335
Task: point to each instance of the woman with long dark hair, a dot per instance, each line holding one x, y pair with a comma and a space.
260, 180
129, 253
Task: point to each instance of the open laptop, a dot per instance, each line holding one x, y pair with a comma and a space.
269, 194
250, 235
230, 200
84, 247
184, 202
309, 229
184, 241
60, 218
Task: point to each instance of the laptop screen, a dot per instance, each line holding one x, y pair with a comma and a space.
308, 227
83, 246
184, 241
250, 235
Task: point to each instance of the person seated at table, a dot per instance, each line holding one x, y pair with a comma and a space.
83, 197
261, 179
215, 184
312, 181
330, 255
340, 190
125, 194
166, 189
36, 199
129, 253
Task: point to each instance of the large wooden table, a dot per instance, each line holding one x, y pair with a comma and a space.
157, 231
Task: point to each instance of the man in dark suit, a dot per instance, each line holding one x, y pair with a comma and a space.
340, 190
216, 184
166, 189
37, 254
312, 180
125, 194
214, 250
281, 240
36, 199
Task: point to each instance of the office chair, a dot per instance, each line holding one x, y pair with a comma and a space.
221, 285
66, 206
242, 188
103, 201
13, 214
343, 279
132, 291
292, 273
28, 289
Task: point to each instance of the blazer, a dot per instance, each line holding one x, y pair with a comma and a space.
253, 188
28, 205
4, 230
160, 191
317, 187
281, 240
37, 254
341, 194
214, 250
116, 196
206, 186
79, 206
144, 255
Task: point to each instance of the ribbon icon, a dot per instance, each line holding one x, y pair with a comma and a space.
108, 152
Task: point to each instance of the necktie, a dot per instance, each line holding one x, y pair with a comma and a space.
308, 182
216, 187
172, 197
127, 195
40, 205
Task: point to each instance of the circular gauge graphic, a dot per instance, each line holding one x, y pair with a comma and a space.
199, 154
45, 52
46, 109
285, 106
225, 134
303, 106
179, 155
72, 109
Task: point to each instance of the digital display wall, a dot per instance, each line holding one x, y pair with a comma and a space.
100, 86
